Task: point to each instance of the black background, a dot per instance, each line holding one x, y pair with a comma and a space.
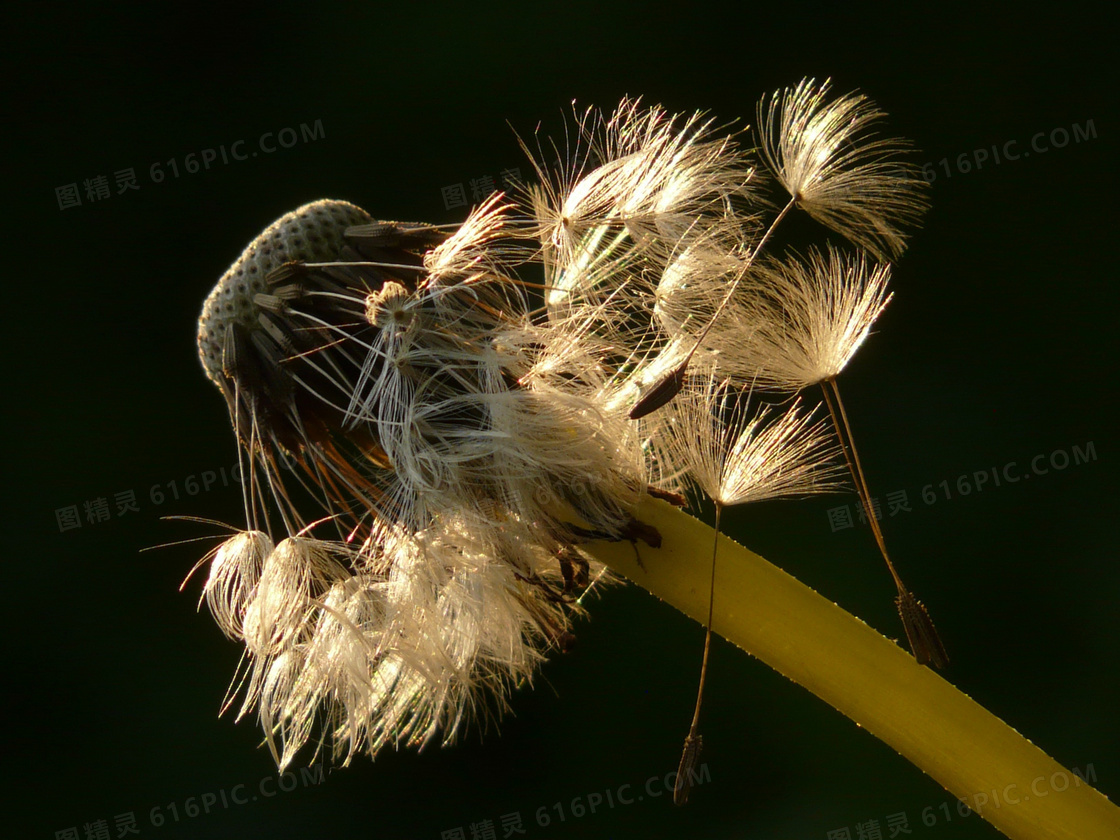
1000, 345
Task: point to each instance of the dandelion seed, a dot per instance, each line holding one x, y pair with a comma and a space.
805, 319
296, 573
828, 157
804, 327
671, 383
925, 643
660, 178
690, 755
736, 458
834, 167
737, 455
234, 572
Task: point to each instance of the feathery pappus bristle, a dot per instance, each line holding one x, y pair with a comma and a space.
827, 155
805, 319
739, 452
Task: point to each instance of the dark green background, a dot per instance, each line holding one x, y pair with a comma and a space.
1000, 345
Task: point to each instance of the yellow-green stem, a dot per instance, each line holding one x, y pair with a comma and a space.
868, 678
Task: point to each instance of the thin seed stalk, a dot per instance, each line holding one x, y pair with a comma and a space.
920, 630
690, 754
862, 674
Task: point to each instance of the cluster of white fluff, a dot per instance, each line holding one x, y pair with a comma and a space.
439, 432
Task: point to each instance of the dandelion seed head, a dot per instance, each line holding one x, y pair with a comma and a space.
427, 438
424, 410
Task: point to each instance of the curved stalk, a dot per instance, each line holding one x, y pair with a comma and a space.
865, 676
